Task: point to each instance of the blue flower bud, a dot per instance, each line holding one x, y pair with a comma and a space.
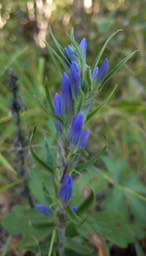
44, 209
76, 129
83, 46
74, 209
75, 79
70, 53
67, 101
66, 189
102, 71
84, 139
58, 111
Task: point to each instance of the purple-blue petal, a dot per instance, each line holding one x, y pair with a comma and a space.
67, 100
76, 129
57, 105
84, 139
75, 79
58, 111
66, 189
83, 46
70, 53
44, 209
102, 71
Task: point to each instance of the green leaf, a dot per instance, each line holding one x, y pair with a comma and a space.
47, 167
74, 218
28, 222
138, 207
91, 161
112, 227
92, 113
48, 111
36, 184
49, 156
102, 50
87, 203
117, 67
115, 202
72, 34
82, 153
56, 57
76, 245
59, 47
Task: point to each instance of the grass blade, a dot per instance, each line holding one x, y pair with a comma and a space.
6, 246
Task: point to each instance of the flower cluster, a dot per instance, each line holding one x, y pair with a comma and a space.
72, 136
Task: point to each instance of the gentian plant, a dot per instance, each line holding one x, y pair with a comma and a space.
70, 229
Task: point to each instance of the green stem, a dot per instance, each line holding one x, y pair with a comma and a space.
61, 235
52, 243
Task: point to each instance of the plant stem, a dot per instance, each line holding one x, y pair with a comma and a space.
20, 143
52, 243
61, 235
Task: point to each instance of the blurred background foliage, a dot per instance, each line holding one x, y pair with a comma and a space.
24, 27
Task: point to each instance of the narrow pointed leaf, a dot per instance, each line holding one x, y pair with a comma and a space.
117, 67
47, 167
91, 115
49, 156
72, 34
59, 47
91, 161
59, 59
48, 111
87, 203
102, 50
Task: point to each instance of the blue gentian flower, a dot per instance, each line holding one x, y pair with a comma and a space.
70, 54
58, 111
66, 189
75, 79
83, 46
76, 129
44, 209
67, 100
84, 139
102, 71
